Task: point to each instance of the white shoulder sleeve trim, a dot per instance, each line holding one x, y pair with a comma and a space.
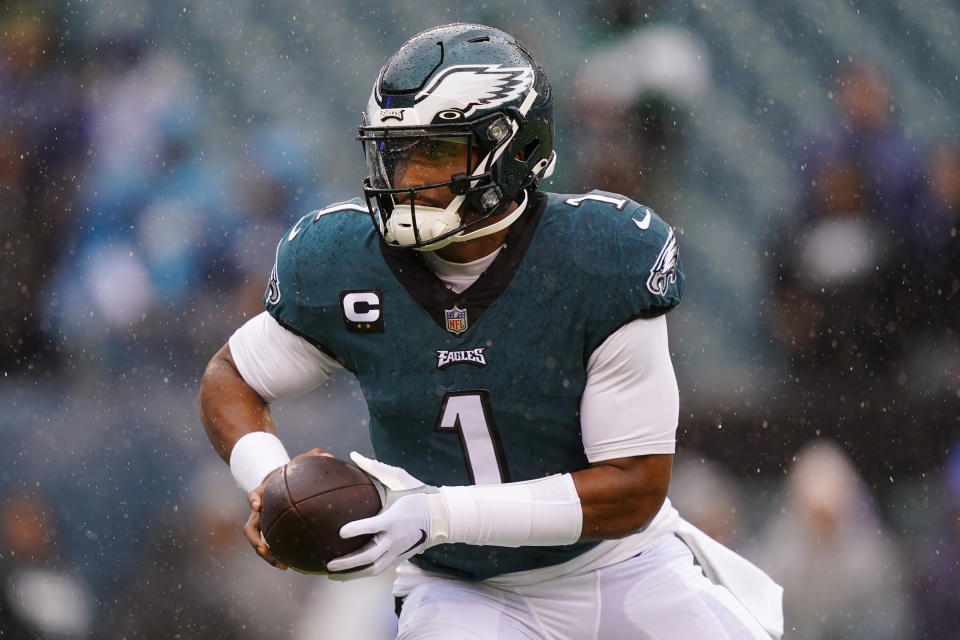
277, 363
631, 404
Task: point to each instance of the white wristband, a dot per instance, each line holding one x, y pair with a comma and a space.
254, 456
544, 512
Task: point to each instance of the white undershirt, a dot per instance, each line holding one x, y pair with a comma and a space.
459, 275
630, 404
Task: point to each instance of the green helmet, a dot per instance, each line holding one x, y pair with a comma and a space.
462, 88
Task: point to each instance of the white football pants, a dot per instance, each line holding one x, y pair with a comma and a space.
660, 594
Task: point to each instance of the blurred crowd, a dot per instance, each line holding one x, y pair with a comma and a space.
146, 179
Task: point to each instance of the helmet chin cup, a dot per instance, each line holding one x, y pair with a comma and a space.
432, 222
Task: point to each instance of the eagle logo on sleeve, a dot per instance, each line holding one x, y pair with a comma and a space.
664, 271
462, 89
272, 295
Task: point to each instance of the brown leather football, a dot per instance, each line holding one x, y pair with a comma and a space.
304, 505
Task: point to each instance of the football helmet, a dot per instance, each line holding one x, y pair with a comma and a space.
472, 105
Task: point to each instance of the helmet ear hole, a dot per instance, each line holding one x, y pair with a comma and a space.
529, 150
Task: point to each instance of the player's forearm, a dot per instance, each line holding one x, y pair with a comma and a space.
229, 408
611, 499
620, 497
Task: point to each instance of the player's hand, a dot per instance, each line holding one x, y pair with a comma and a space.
413, 518
251, 530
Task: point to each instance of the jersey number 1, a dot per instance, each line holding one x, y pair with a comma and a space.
469, 415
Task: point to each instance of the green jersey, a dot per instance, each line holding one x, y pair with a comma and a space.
481, 386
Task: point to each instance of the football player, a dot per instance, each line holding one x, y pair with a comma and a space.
511, 345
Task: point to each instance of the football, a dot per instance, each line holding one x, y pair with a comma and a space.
305, 504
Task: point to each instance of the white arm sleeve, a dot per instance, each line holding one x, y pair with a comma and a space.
277, 363
631, 404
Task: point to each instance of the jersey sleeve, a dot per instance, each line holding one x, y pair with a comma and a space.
285, 296
300, 289
635, 264
630, 404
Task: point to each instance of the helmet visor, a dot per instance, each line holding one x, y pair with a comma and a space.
408, 161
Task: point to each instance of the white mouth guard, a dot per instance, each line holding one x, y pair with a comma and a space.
432, 222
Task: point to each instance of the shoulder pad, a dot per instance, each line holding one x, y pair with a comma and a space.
612, 234
628, 252
303, 240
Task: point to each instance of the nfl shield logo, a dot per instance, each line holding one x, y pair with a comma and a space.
456, 320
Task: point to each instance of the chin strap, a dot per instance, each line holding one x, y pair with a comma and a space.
497, 226
482, 231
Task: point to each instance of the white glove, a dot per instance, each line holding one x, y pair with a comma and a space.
414, 517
